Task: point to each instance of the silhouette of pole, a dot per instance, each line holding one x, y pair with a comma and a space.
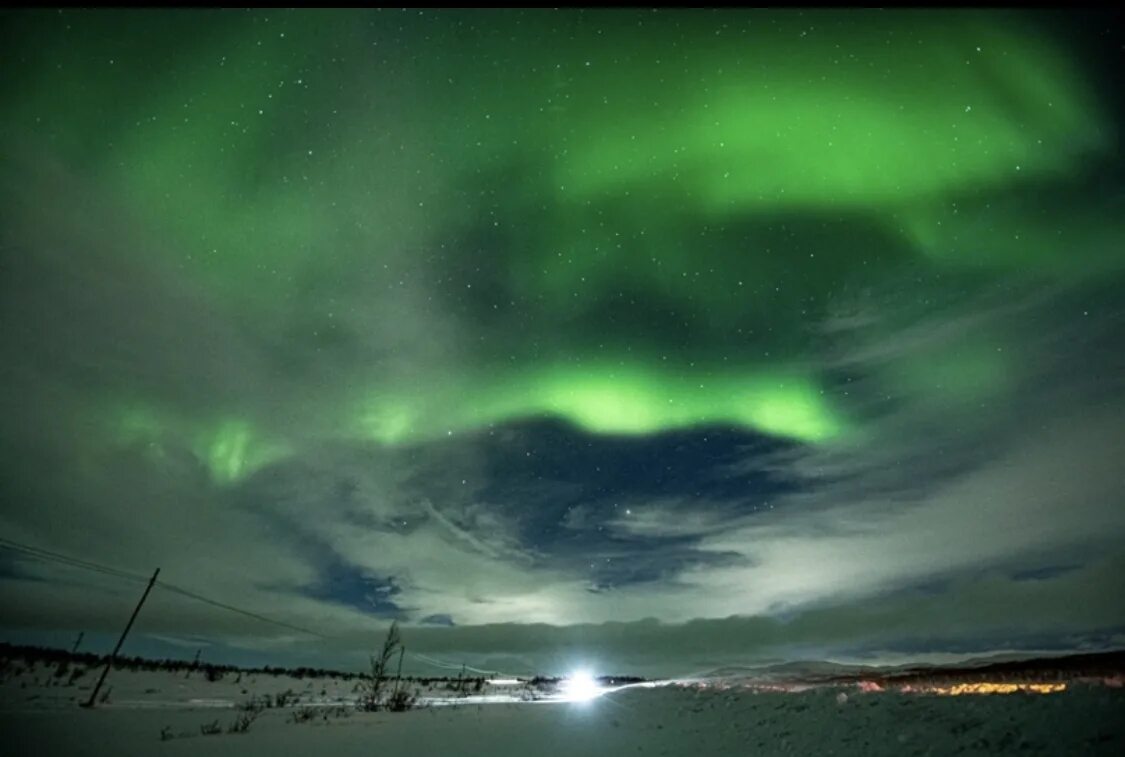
77, 642
116, 649
398, 676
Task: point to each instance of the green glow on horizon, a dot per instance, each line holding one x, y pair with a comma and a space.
625, 401
699, 194
229, 450
796, 122
233, 451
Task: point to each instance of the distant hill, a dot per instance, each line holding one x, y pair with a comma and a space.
1096, 664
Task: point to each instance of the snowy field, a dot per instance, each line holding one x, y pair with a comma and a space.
164, 713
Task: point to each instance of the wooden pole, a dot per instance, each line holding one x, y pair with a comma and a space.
398, 676
116, 649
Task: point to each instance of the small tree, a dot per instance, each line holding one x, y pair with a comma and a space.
371, 698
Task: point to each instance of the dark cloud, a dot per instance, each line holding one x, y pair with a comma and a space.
556, 339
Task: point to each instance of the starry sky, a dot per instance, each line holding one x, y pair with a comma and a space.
652, 339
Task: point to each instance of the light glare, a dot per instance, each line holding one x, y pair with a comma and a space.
580, 686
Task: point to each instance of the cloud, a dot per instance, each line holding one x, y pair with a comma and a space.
983, 613
670, 519
870, 518
397, 367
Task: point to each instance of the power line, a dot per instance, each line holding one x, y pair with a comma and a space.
435, 663
452, 665
49, 556
231, 608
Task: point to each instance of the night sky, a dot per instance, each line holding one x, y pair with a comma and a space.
547, 333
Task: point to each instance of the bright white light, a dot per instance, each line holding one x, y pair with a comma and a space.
580, 686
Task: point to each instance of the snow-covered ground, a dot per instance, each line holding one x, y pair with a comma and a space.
39, 716
41, 687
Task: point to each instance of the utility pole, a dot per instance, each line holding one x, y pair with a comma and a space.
77, 642
398, 676
116, 649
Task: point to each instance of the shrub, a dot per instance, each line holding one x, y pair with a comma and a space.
243, 722
401, 701
250, 705
303, 714
210, 729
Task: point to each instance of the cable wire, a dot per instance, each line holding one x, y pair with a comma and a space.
56, 557
232, 608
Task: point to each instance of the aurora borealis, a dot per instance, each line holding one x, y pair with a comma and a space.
592, 319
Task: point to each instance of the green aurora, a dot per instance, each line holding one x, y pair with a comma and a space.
623, 220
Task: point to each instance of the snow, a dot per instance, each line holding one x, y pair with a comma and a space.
39, 715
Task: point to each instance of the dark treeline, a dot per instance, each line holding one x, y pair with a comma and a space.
52, 656
602, 680
10, 653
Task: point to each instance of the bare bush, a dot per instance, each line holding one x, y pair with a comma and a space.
250, 705
243, 722
372, 690
303, 714
401, 701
